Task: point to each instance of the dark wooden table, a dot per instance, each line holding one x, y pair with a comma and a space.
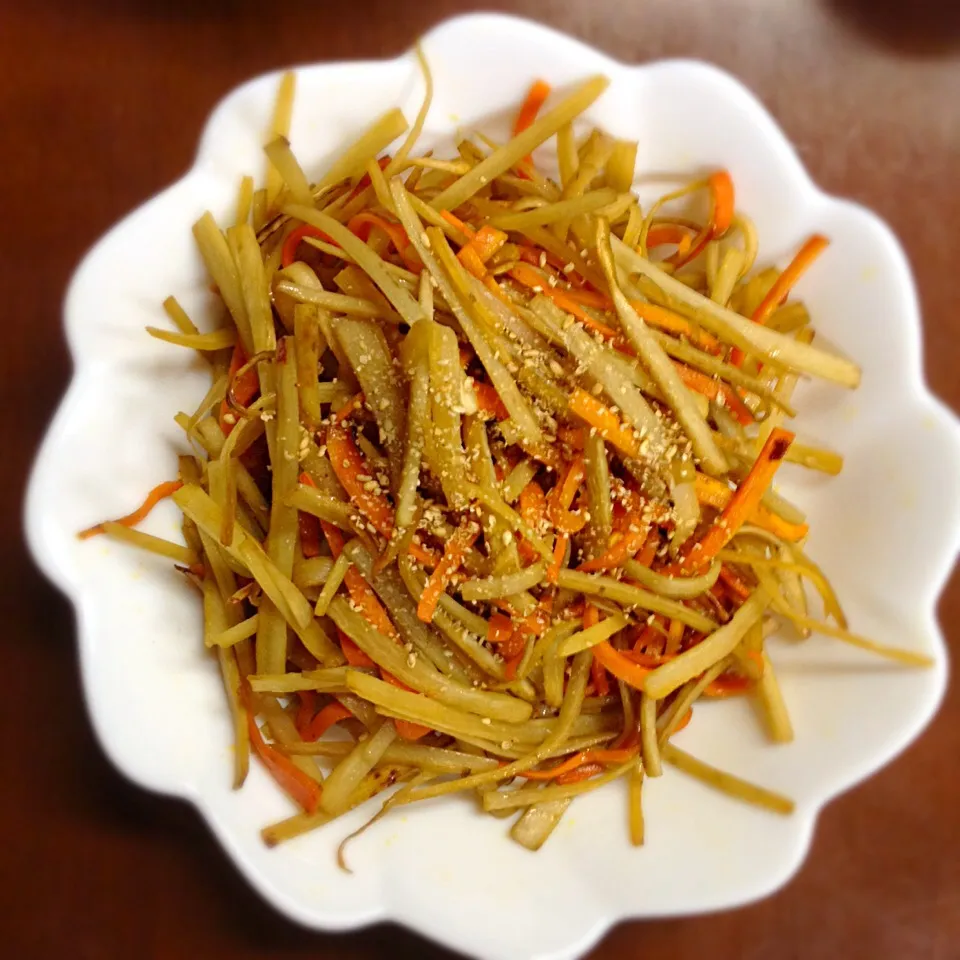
101, 104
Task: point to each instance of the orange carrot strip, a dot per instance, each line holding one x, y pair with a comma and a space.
591, 617
453, 555
458, 224
361, 224
534, 100
245, 388
510, 666
365, 181
160, 492
571, 763
715, 493
575, 437
348, 464
487, 241
488, 401
561, 497
529, 277
671, 322
331, 714
649, 552
623, 549
305, 710
576, 760
406, 729
740, 506
784, 284
687, 717
288, 253
309, 534
722, 200
353, 654
606, 422
729, 685
499, 628
734, 583
788, 279
712, 389
619, 665
292, 780
559, 552
471, 262
660, 234
584, 772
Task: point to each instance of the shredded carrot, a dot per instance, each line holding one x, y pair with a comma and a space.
661, 234
740, 506
499, 628
601, 682
534, 100
717, 494
488, 401
671, 322
712, 389
365, 180
687, 717
362, 223
245, 388
334, 537
510, 666
306, 708
290, 778
349, 464
406, 729
625, 547
529, 277
575, 437
354, 655
724, 201
729, 685
622, 667
361, 593
784, 284
576, 760
722, 204
481, 247
649, 552
559, 552
606, 422
734, 583
458, 224
487, 241
288, 253
453, 555
582, 773
561, 497
331, 714
472, 262
160, 492
309, 534
788, 279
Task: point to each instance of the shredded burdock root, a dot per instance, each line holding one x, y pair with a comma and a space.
486, 471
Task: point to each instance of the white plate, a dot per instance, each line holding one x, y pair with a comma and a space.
886, 530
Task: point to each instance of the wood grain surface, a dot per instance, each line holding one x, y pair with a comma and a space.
101, 105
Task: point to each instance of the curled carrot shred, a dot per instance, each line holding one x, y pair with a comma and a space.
160, 492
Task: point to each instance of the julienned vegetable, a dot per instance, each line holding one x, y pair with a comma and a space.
487, 469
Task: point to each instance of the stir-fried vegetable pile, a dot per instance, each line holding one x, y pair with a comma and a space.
484, 478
